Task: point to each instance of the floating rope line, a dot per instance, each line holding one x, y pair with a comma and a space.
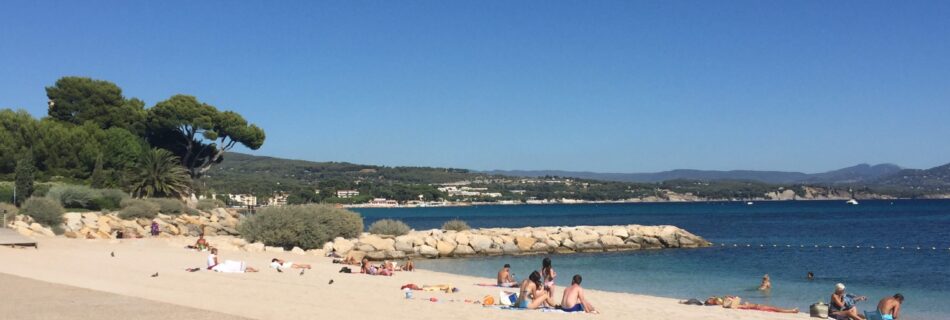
776, 245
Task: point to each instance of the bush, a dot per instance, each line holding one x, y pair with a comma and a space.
134, 209
110, 199
209, 204
389, 227
169, 206
305, 226
10, 210
455, 225
44, 211
73, 196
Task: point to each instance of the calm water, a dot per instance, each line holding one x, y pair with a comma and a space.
923, 275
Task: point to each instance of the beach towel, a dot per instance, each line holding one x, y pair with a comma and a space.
230, 266
506, 298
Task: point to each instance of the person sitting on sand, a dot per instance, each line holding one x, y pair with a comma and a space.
842, 305
201, 244
890, 307
228, 266
766, 283
532, 294
574, 300
548, 274
410, 266
366, 268
281, 264
505, 278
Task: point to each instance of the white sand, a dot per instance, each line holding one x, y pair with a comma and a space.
271, 295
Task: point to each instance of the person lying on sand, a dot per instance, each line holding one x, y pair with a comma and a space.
228, 266
574, 300
281, 264
734, 302
505, 278
532, 294
762, 307
842, 306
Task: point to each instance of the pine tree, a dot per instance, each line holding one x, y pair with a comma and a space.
24, 178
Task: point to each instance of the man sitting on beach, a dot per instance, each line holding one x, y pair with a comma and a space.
505, 278
532, 294
281, 264
574, 300
890, 307
842, 305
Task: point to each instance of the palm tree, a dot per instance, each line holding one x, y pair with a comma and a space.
159, 173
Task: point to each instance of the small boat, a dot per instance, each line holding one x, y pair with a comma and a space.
852, 202
749, 203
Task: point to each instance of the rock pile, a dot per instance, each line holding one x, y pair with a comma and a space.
505, 241
98, 225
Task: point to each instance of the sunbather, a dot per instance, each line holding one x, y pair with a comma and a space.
505, 278
574, 300
734, 302
228, 266
532, 294
762, 307
281, 264
201, 244
890, 307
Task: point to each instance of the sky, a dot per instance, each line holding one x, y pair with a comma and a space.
607, 86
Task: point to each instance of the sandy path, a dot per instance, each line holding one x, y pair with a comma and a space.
271, 295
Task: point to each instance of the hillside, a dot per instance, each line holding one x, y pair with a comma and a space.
933, 180
858, 173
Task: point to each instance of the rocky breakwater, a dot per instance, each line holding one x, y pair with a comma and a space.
519, 241
100, 225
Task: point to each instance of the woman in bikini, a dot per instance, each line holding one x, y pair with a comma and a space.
547, 272
532, 296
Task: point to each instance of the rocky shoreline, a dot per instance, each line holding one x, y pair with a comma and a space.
518, 241
100, 225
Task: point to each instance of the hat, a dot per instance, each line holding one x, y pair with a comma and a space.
839, 286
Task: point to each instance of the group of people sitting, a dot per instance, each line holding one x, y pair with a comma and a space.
538, 291
387, 268
843, 305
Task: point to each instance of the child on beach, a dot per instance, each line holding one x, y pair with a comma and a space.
548, 274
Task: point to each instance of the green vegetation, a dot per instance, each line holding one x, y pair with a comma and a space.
389, 227
73, 196
169, 206
134, 209
110, 199
304, 226
94, 135
44, 211
209, 204
159, 174
455, 225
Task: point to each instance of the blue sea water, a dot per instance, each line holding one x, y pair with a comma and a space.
777, 238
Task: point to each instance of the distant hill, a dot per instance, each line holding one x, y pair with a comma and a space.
858, 173
933, 180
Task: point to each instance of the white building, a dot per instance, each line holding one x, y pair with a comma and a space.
243, 199
347, 193
278, 200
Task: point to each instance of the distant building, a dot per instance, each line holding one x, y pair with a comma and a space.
518, 191
243, 199
347, 193
279, 199
383, 202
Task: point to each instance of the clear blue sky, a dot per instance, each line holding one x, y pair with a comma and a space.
625, 86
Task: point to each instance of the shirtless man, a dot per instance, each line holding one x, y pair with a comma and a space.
281, 264
505, 279
532, 295
890, 307
574, 300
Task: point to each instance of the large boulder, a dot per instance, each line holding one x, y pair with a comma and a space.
377, 243
611, 242
273, 249
462, 238
591, 246
403, 243
428, 251
463, 250
254, 247
342, 245
510, 248
298, 251
445, 248
525, 243
480, 243
72, 220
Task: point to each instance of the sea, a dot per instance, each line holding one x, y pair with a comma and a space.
876, 248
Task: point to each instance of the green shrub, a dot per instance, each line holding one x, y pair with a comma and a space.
10, 210
209, 204
44, 211
169, 206
73, 196
110, 199
192, 211
134, 209
389, 227
305, 226
6, 192
455, 225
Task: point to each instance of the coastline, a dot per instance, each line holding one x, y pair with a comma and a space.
270, 295
582, 202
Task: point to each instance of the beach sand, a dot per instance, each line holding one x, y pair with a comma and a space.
63, 271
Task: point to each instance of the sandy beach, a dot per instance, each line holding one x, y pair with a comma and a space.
70, 279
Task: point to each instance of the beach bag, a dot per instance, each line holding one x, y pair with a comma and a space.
818, 310
731, 302
345, 270
488, 300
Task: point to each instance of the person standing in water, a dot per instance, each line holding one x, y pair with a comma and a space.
766, 283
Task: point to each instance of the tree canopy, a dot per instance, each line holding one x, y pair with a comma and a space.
77, 100
198, 132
